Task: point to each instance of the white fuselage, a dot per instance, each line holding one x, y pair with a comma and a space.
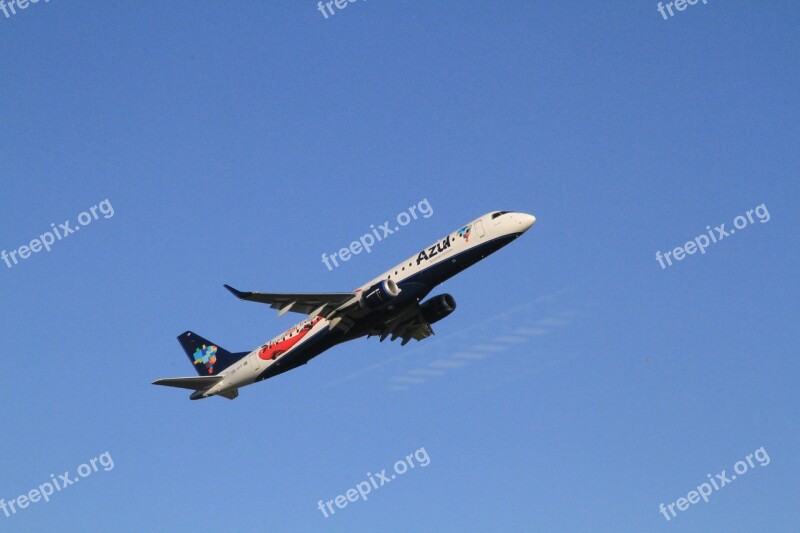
477, 233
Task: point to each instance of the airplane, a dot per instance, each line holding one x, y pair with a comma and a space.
387, 306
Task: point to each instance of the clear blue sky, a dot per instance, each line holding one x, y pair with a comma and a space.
577, 386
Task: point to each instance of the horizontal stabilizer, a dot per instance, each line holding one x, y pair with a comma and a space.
192, 383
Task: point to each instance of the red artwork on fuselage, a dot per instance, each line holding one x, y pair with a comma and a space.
276, 348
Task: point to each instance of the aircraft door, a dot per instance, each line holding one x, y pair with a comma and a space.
256, 362
479, 229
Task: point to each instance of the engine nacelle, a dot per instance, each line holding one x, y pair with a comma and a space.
438, 307
379, 294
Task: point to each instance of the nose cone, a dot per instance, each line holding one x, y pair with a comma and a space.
525, 221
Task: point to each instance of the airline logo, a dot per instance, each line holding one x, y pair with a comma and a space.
206, 355
434, 250
464, 232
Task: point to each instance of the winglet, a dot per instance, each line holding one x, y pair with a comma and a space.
239, 294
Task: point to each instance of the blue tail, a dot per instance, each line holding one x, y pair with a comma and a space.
208, 358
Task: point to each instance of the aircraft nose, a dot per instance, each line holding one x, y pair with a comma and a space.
525, 220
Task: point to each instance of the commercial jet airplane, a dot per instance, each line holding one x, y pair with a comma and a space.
388, 305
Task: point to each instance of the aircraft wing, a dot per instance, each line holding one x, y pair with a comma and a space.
306, 303
406, 327
192, 383
341, 309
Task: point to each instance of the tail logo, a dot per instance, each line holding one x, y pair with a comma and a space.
206, 355
464, 232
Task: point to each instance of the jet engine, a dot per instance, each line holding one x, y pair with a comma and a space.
379, 294
438, 307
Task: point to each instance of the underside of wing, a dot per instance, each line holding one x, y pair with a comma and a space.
407, 328
306, 303
419, 332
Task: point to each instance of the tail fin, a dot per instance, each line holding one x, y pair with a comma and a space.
208, 358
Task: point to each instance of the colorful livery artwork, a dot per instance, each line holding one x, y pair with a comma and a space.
206, 355
274, 349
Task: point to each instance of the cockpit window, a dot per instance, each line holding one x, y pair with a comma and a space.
495, 215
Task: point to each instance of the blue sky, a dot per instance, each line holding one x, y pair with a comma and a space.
578, 385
